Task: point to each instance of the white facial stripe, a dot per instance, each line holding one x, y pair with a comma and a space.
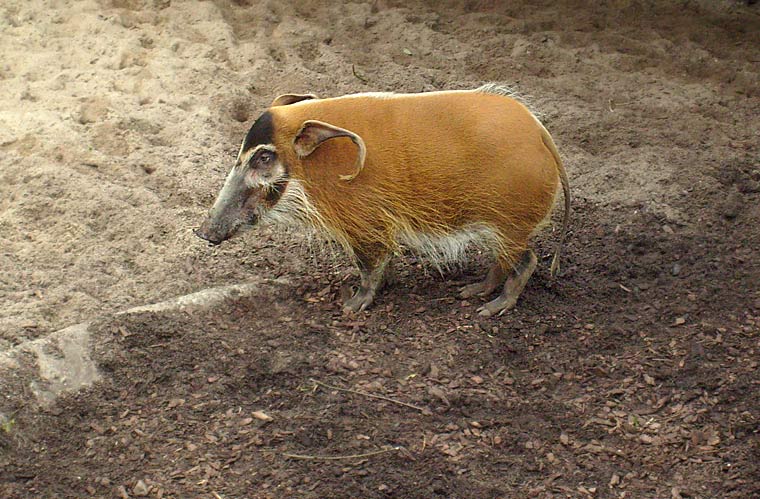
237, 160
244, 158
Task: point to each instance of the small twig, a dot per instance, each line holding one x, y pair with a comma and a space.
337, 458
360, 78
370, 395
159, 345
217, 496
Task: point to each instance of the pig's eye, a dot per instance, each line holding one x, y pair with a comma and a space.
266, 158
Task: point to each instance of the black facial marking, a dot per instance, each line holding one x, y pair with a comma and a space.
262, 132
275, 193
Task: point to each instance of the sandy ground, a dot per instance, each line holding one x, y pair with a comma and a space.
118, 121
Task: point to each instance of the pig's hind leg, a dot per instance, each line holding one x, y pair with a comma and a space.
493, 280
513, 287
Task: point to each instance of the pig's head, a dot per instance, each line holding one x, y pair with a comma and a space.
254, 185
262, 175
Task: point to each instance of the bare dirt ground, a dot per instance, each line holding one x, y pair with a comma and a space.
634, 375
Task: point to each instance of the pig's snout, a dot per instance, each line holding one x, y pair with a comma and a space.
235, 206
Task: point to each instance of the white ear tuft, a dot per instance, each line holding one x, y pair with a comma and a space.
287, 99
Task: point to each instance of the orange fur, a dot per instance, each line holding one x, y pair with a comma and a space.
437, 163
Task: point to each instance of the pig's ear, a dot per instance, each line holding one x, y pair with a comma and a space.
313, 133
287, 99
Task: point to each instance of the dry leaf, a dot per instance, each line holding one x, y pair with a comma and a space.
261, 415
439, 394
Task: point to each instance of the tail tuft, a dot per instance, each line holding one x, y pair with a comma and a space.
555, 265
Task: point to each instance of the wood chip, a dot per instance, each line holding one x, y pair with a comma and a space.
175, 403
140, 489
615, 480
